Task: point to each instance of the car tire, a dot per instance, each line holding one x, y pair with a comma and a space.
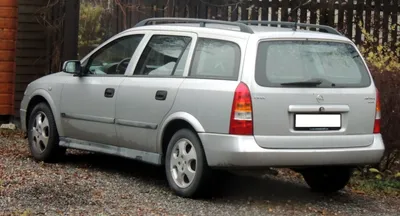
43, 138
186, 166
327, 179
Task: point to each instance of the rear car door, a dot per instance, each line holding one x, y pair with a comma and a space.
312, 94
145, 97
88, 102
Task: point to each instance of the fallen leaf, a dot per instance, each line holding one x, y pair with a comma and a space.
373, 170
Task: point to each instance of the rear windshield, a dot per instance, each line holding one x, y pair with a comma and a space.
287, 63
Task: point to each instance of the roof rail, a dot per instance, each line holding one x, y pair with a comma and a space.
292, 25
243, 27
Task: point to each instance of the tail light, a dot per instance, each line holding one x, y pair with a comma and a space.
241, 122
377, 124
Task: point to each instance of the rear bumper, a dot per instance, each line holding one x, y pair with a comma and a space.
242, 151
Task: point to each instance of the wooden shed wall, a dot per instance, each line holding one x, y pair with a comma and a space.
31, 52
8, 24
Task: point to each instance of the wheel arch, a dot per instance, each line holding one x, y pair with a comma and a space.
40, 96
173, 123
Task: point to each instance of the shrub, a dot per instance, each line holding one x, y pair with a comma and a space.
383, 61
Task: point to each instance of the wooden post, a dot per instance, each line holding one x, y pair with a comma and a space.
71, 27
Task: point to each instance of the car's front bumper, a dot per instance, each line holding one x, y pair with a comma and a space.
242, 151
22, 112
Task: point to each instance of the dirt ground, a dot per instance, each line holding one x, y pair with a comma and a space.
94, 184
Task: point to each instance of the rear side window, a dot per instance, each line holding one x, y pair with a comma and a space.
216, 59
164, 55
333, 64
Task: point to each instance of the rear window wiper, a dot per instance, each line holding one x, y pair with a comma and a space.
311, 83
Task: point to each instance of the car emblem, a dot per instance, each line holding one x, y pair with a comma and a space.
319, 98
321, 109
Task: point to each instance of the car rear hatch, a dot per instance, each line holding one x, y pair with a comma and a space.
312, 94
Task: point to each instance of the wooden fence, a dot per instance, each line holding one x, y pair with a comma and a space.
378, 17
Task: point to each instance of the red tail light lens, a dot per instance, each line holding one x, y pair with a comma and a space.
377, 124
242, 112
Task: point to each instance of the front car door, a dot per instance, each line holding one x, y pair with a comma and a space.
88, 102
145, 97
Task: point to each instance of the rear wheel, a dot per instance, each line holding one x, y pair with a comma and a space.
327, 179
186, 166
42, 135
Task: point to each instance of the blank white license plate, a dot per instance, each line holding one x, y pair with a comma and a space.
330, 121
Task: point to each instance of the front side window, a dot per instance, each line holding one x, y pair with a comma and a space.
310, 64
216, 59
164, 56
113, 59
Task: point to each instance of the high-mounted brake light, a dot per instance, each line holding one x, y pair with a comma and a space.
242, 112
377, 124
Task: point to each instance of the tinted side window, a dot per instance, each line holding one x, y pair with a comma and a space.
216, 59
163, 55
114, 57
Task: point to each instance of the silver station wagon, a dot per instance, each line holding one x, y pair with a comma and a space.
200, 96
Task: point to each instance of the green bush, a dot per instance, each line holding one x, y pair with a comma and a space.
383, 62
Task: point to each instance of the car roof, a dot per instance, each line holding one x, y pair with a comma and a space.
259, 31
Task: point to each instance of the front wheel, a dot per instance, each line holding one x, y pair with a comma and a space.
43, 135
186, 167
327, 179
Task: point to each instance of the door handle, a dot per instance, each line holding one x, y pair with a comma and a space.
109, 93
161, 95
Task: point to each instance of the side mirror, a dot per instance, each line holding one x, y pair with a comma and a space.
73, 66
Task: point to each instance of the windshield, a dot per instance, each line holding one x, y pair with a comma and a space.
310, 64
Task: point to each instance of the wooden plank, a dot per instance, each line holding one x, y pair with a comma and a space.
284, 10
30, 27
235, 12
6, 67
159, 8
7, 45
256, 5
30, 36
274, 10
30, 61
313, 13
377, 19
6, 76
36, 44
395, 25
331, 13
29, 9
180, 9
223, 11
30, 52
213, 11
202, 10
8, 23
29, 70
7, 55
349, 19
265, 10
359, 20
368, 9
385, 21
244, 10
193, 9
341, 15
28, 18
303, 14
9, 12
7, 34
31, 2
